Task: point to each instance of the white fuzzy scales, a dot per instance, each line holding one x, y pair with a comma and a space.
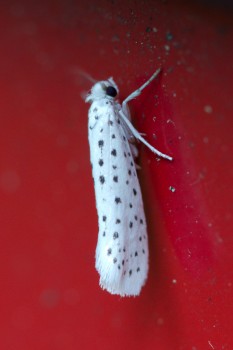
122, 248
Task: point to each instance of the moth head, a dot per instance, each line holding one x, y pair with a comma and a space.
103, 89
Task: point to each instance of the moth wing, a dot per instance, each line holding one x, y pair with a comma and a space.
122, 248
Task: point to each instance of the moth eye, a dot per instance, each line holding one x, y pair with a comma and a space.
111, 91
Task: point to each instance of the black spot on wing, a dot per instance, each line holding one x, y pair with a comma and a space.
102, 179
117, 200
115, 178
115, 235
101, 143
114, 153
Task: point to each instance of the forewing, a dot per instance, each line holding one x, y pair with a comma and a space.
122, 248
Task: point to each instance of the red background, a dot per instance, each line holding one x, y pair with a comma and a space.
50, 298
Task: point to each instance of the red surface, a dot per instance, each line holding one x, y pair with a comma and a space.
50, 298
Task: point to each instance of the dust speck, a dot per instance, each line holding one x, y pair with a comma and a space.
169, 36
208, 109
172, 189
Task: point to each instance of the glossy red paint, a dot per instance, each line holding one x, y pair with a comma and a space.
50, 298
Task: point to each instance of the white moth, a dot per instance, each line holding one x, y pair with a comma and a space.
122, 248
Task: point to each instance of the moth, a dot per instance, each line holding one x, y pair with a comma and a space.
122, 247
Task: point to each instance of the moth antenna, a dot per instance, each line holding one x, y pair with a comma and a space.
87, 76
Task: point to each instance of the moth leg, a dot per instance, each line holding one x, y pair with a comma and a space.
124, 116
134, 150
139, 90
128, 134
139, 137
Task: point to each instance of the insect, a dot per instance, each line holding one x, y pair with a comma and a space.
122, 247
